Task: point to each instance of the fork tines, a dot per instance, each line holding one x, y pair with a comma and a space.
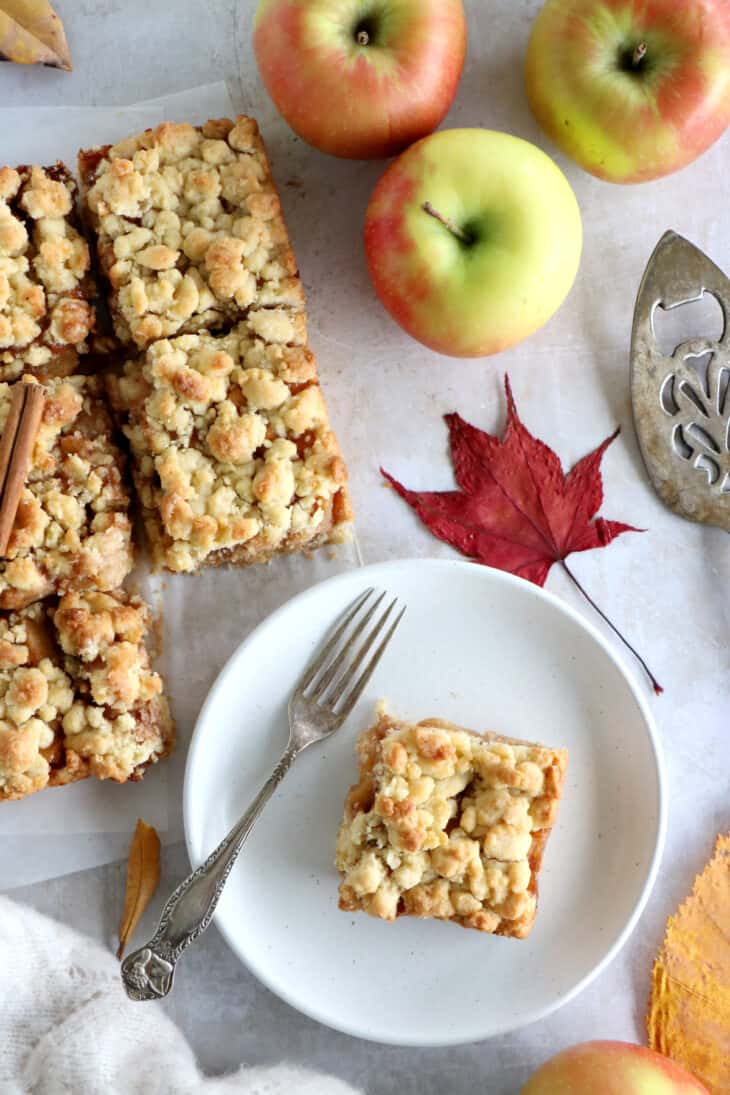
332, 678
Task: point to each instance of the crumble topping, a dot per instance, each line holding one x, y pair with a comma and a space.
72, 530
189, 228
77, 695
46, 313
234, 459
449, 824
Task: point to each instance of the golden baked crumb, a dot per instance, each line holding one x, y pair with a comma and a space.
450, 824
188, 228
233, 457
72, 530
77, 695
46, 292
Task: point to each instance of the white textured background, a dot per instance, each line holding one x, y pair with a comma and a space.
669, 589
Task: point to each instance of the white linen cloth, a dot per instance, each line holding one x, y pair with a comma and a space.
66, 1027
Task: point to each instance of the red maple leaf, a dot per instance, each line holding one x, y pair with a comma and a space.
516, 509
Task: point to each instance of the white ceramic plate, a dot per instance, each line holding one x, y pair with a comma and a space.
479, 648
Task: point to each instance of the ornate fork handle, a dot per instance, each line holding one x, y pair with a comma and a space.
147, 973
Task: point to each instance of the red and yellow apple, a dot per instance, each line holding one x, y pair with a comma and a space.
473, 240
631, 89
611, 1068
361, 78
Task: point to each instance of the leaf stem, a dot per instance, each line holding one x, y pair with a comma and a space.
655, 683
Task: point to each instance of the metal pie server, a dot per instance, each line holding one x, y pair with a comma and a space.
682, 418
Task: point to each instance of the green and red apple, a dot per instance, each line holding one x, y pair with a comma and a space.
473, 240
611, 1068
361, 78
631, 89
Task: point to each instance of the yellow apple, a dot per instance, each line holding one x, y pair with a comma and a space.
631, 89
611, 1068
473, 240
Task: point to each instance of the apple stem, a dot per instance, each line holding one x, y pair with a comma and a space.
639, 54
363, 38
447, 223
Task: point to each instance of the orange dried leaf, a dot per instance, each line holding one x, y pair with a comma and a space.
143, 875
689, 1012
32, 34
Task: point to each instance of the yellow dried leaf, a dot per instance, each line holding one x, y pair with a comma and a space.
143, 875
32, 34
689, 1012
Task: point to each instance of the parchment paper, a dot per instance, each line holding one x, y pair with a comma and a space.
204, 617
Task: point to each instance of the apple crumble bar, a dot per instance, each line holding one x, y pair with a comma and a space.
72, 530
233, 457
46, 291
447, 823
77, 695
188, 228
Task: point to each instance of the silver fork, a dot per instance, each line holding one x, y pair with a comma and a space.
320, 703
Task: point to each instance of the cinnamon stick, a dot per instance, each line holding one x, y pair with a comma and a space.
16, 452
17, 399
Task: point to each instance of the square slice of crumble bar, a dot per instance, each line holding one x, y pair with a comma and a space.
72, 530
189, 230
77, 695
46, 290
450, 824
233, 457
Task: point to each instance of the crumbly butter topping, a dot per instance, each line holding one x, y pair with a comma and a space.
231, 442
77, 695
189, 228
449, 824
45, 287
72, 530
